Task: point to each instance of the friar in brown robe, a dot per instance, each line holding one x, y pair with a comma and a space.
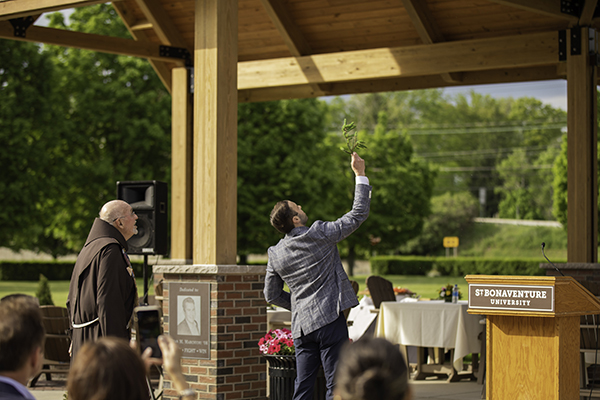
102, 292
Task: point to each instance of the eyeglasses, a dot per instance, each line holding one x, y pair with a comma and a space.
123, 216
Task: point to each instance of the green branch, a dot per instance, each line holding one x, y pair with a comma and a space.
352, 142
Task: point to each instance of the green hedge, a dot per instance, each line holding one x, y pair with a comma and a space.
53, 270
405, 265
454, 266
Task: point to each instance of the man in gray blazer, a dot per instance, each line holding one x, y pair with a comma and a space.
307, 260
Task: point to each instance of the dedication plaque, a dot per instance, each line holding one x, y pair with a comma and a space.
511, 297
189, 318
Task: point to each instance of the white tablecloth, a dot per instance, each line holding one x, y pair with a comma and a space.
362, 318
431, 324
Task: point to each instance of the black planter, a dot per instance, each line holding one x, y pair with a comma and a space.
282, 373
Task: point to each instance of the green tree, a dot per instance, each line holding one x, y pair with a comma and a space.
559, 185
402, 187
451, 215
282, 155
118, 125
31, 128
522, 185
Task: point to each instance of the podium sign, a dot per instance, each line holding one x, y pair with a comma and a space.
532, 334
511, 297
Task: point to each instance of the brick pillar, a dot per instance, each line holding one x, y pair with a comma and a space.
238, 319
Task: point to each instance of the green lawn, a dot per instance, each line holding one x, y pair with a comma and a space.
59, 289
424, 286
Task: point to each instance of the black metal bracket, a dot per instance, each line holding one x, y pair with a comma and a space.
562, 45
176, 52
593, 45
571, 7
190, 80
20, 25
576, 41
576, 44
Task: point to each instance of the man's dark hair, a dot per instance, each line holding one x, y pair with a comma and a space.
282, 217
21, 330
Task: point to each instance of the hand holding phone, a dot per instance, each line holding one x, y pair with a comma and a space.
148, 327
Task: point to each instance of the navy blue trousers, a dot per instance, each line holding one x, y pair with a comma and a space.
319, 347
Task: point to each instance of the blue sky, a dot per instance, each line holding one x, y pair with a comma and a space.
553, 93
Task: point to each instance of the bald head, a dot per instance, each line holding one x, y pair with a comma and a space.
120, 215
113, 210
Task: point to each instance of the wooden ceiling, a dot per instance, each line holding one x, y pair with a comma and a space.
310, 48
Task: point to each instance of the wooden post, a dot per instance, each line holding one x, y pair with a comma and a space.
181, 167
582, 191
215, 132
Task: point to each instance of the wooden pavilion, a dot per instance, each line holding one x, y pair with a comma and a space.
212, 54
234, 51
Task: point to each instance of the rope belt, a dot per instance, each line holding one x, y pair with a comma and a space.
83, 325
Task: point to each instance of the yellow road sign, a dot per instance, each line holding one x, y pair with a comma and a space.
451, 241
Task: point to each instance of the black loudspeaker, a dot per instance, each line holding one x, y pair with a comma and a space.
149, 201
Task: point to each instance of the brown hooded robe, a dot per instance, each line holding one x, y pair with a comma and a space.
101, 287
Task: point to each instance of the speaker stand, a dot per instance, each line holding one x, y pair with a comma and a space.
145, 275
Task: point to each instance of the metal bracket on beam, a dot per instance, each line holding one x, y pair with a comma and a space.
593, 47
576, 41
562, 45
176, 52
190, 80
571, 7
20, 25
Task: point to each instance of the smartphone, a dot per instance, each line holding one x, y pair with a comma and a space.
148, 326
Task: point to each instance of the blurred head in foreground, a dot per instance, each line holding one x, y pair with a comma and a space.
21, 338
372, 369
108, 369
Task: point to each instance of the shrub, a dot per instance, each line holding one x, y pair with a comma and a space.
43, 292
454, 266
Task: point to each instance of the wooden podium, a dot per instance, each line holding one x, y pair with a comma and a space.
532, 334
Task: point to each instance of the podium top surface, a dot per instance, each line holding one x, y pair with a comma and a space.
540, 296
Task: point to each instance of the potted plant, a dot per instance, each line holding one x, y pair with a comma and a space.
277, 346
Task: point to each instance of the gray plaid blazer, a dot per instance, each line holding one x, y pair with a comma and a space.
307, 260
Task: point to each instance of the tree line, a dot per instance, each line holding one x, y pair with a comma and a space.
75, 122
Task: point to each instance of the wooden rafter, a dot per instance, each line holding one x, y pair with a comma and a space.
518, 51
22, 8
427, 29
290, 33
526, 74
587, 12
546, 7
469, 55
161, 68
87, 41
166, 31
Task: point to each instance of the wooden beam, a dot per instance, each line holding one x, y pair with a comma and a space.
289, 31
400, 84
587, 12
21, 8
469, 55
181, 167
582, 158
87, 41
166, 31
215, 132
141, 26
427, 29
161, 68
550, 8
